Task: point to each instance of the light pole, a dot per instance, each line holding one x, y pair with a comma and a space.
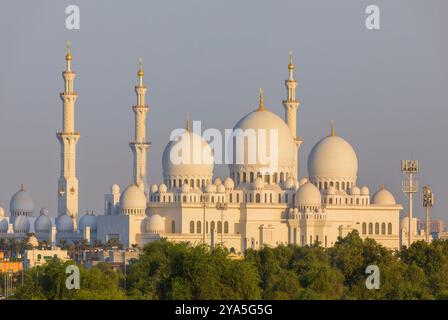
409, 168
204, 205
428, 202
221, 206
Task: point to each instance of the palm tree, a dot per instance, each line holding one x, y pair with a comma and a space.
63, 243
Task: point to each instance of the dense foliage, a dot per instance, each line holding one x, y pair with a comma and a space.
168, 270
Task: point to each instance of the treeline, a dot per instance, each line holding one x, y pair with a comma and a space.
167, 270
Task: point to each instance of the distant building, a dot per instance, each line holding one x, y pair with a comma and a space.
33, 258
116, 258
9, 266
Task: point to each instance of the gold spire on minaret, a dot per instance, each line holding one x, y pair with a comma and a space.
261, 106
332, 134
140, 71
68, 56
291, 65
187, 127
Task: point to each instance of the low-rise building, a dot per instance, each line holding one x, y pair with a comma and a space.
32, 258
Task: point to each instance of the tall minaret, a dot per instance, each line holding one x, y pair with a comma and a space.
291, 105
68, 137
140, 146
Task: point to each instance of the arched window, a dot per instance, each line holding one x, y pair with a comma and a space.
238, 198
174, 184
198, 183
383, 228
238, 178
357, 200
219, 227
286, 198
337, 185
342, 185
276, 177
212, 226
251, 177
265, 198
282, 177
198, 227
279, 198
192, 183
320, 185
331, 184
377, 228
244, 177
191, 227
270, 197
184, 198
370, 228
226, 227
257, 198
173, 226
213, 199
364, 228
330, 200
325, 185
231, 198
389, 228
203, 182
206, 226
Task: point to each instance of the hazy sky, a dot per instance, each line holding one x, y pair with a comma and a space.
386, 89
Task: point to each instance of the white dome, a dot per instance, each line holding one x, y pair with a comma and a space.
185, 188
88, 220
154, 188
333, 157
163, 188
64, 224
21, 202
355, 191
198, 163
331, 190
217, 181
43, 223
210, 188
2, 212
308, 196
115, 189
4, 224
258, 183
155, 224
229, 184
133, 198
290, 183
221, 188
303, 181
261, 123
383, 197
21, 224
365, 191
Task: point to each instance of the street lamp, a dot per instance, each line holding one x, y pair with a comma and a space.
409, 168
204, 206
221, 206
428, 202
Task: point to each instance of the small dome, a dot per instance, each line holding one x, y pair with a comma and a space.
133, 198
21, 225
365, 191
331, 190
2, 212
308, 196
185, 188
43, 223
115, 189
229, 184
4, 224
163, 188
221, 188
64, 224
199, 161
21, 202
32, 241
154, 188
88, 220
290, 183
258, 183
303, 181
217, 181
383, 197
155, 224
333, 157
355, 191
210, 188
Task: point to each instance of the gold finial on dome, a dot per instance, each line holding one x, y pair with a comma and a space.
332, 134
261, 107
68, 56
187, 127
291, 65
382, 186
140, 68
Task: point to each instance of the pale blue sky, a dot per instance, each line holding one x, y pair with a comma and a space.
386, 90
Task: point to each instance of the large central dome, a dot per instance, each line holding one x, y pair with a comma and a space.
333, 159
266, 137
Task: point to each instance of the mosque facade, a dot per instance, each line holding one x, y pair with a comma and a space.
250, 208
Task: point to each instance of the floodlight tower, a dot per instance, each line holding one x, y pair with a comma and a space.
428, 202
409, 186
